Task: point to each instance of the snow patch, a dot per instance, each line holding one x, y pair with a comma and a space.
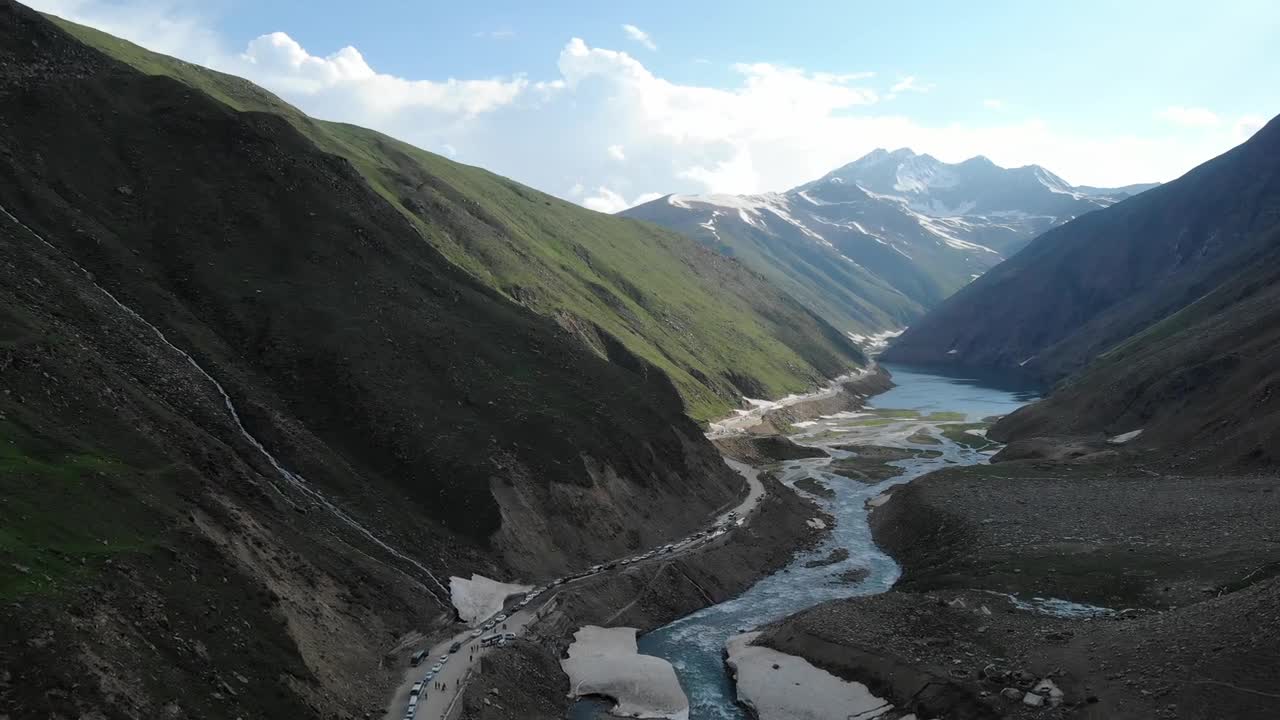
1123, 438
481, 598
606, 661
777, 685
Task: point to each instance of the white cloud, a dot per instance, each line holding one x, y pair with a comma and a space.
1189, 116
909, 84
617, 152
769, 127
449, 150
609, 201
993, 104
639, 36
279, 62
494, 34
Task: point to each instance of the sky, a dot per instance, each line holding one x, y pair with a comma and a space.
612, 104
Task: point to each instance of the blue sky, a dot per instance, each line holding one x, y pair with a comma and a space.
611, 103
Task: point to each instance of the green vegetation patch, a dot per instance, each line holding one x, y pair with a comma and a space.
62, 515
717, 330
959, 434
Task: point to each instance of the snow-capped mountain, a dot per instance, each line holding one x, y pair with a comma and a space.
873, 244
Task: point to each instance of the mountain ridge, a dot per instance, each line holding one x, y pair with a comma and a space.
715, 327
872, 245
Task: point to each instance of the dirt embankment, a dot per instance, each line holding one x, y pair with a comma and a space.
970, 654
1116, 536
1188, 566
851, 395
651, 594
764, 449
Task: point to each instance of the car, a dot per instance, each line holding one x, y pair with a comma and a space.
417, 688
489, 625
436, 668
455, 647
417, 658
501, 617
444, 659
520, 605
626, 563
558, 581
477, 632
428, 676
595, 568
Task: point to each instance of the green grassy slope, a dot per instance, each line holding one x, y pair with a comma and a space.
717, 329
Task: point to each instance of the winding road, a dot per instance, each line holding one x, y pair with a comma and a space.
440, 704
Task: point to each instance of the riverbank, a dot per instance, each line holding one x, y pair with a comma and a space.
1182, 572
771, 417
642, 596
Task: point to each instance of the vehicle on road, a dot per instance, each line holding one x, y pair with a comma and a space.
444, 659
457, 646
490, 640
417, 688
501, 617
558, 581
417, 658
436, 668
489, 625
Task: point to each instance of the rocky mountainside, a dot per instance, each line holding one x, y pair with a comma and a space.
718, 330
250, 421
1166, 300
1082, 288
874, 244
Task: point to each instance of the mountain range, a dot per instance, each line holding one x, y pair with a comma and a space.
874, 244
1156, 314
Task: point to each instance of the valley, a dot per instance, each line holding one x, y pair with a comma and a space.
299, 419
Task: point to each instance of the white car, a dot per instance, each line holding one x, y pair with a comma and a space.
436, 668
444, 659
501, 617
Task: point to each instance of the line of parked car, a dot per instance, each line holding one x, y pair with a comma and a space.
420, 688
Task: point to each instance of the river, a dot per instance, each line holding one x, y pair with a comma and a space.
898, 418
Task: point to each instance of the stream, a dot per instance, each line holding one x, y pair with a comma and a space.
899, 418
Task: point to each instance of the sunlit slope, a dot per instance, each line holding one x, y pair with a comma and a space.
717, 329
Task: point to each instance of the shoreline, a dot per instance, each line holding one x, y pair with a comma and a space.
1029, 586
846, 392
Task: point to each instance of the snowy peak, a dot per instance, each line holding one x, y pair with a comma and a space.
976, 186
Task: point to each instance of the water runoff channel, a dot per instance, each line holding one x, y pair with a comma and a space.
918, 413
